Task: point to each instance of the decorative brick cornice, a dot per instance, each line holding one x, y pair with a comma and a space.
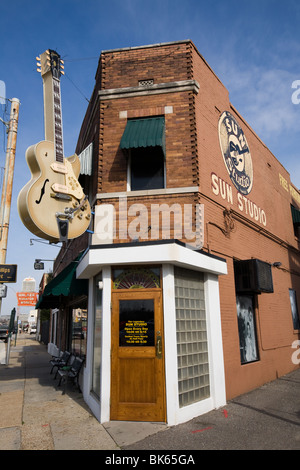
170, 87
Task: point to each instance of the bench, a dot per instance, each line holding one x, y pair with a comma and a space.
60, 361
66, 366
71, 372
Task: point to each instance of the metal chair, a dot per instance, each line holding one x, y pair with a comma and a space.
70, 372
60, 361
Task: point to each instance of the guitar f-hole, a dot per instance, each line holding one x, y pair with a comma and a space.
42, 191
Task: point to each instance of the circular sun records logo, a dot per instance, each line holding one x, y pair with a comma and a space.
236, 153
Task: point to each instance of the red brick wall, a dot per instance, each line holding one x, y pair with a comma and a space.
248, 238
167, 63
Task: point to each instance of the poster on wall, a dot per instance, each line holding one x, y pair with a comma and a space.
294, 307
136, 322
247, 331
236, 153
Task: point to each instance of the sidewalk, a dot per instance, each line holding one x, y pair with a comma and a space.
34, 415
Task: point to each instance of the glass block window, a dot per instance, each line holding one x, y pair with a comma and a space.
192, 348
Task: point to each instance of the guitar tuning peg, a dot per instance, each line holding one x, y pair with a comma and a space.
62, 66
39, 70
62, 72
38, 58
62, 61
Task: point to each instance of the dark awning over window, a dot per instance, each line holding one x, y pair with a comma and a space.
147, 132
296, 216
64, 284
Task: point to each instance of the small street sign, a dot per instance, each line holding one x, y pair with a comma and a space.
38, 265
8, 273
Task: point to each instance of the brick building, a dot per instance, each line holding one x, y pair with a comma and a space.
193, 263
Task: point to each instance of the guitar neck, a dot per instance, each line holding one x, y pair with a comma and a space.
52, 115
58, 136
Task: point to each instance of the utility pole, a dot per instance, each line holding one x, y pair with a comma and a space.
12, 128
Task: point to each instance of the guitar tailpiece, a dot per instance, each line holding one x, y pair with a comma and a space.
63, 228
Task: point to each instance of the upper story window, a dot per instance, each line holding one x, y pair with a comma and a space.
146, 168
296, 220
144, 139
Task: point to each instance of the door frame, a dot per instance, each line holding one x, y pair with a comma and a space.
138, 411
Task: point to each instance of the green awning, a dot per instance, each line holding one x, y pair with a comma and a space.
147, 132
295, 215
64, 284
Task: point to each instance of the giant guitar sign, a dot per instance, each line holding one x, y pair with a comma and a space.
52, 205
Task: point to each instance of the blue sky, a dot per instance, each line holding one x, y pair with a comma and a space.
253, 46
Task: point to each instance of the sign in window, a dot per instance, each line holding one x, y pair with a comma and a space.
136, 326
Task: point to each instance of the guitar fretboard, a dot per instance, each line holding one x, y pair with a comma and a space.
58, 136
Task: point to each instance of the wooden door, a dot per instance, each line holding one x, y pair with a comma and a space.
137, 363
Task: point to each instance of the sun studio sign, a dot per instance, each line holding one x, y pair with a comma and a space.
238, 162
236, 153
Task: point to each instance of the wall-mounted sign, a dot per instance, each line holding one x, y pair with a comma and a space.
225, 191
8, 273
236, 153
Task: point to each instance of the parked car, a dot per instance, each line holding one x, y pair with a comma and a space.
32, 329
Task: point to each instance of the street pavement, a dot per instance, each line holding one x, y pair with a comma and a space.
36, 415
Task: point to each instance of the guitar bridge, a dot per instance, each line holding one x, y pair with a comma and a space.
62, 196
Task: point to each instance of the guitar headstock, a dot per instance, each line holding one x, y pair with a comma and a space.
50, 61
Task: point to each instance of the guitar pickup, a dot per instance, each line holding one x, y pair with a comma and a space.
60, 188
62, 196
59, 168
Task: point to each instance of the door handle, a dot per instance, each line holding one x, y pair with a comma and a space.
158, 345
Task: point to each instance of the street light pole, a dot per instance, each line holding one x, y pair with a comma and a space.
8, 178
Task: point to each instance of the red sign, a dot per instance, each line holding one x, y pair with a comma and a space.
27, 299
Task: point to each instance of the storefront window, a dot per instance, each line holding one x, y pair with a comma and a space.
247, 330
97, 336
79, 332
294, 308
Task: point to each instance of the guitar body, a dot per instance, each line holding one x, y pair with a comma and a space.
52, 204
53, 192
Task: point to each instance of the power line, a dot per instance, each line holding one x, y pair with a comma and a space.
78, 89
78, 59
81, 59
